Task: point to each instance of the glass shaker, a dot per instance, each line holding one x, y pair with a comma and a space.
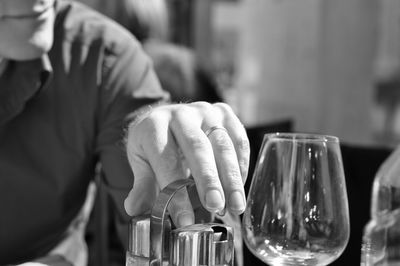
381, 239
152, 242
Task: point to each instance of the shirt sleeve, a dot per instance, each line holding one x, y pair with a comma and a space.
129, 83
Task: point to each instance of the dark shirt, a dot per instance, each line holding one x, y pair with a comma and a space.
59, 116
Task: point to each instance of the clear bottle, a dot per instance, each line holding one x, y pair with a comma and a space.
381, 239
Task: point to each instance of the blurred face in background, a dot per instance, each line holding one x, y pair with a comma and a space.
26, 28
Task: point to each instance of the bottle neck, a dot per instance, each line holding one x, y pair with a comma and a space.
385, 198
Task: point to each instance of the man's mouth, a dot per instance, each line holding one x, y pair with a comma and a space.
35, 13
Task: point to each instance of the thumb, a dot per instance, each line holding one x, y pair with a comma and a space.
145, 190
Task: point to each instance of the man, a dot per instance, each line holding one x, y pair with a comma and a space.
70, 82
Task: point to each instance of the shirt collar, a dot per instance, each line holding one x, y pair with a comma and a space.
20, 82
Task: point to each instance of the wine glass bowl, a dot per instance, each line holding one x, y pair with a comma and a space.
297, 210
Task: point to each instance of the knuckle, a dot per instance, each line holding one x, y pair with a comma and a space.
202, 105
197, 142
155, 115
222, 142
180, 114
181, 109
140, 133
225, 108
209, 176
242, 144
235, 180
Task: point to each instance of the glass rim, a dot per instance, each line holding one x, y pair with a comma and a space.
301, 137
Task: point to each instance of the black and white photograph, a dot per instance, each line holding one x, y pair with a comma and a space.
199, 132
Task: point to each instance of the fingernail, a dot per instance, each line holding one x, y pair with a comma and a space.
236, 202
185, 218
214, 200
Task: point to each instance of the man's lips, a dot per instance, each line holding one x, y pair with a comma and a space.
35, 13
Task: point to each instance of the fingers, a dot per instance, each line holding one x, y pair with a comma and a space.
231, 151
218, 162
198, 152
228, 169
238, 135
162, 166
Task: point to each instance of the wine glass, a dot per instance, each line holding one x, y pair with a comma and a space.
297, 210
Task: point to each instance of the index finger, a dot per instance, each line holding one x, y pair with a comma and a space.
198, 151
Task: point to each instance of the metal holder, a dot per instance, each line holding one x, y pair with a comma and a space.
206, 244
158, 217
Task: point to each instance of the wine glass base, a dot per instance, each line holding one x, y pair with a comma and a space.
296, 258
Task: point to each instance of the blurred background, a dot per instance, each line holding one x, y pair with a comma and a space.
331, 67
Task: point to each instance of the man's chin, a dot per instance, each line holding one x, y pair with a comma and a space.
32, 51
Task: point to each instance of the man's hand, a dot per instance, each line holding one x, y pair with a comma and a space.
208, 139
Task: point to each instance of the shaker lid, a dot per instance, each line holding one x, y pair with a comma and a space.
202, 244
